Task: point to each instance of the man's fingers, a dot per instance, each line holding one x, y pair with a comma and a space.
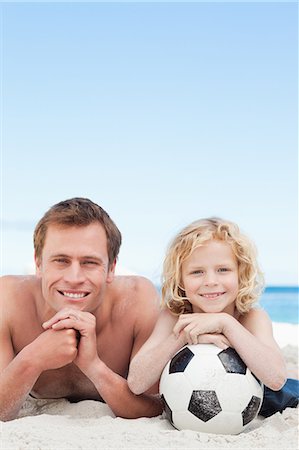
61, 315
66, 323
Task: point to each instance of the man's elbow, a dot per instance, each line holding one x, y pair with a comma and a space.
6, 417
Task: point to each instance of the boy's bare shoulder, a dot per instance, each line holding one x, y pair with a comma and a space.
255, 315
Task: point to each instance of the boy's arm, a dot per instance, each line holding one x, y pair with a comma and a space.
251, 337
147, 365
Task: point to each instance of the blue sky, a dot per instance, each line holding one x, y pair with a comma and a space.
160, 112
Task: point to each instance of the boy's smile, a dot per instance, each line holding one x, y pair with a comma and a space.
212, 295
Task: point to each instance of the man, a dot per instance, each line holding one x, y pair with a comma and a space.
72, 330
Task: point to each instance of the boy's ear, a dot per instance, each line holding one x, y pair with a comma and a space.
111, 272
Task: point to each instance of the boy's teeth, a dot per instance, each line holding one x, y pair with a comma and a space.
73, 295
211, 295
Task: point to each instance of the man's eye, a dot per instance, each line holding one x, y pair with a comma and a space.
90, 263
61, 260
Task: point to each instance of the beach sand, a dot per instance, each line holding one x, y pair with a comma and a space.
60, 425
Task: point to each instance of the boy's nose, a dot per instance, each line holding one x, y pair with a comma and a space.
210, 279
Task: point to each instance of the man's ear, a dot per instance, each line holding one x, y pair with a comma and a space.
37, 265
111, 272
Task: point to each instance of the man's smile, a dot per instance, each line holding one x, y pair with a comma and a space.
76, 295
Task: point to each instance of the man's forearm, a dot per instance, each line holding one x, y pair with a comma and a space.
115, 391
16, 381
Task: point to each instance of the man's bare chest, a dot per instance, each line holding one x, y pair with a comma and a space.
114, 349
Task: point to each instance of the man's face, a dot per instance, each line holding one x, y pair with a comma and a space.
74, 267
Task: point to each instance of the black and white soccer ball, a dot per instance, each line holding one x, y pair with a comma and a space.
207, 389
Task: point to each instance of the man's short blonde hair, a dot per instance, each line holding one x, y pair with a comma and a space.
251, 280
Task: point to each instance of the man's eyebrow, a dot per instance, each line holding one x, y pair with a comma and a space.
64, 255
95, 258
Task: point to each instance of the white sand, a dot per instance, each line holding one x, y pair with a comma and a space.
59, 425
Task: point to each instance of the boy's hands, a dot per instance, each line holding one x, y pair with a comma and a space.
84, 323
202, 328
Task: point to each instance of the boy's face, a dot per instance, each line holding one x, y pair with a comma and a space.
74, 267
210, 278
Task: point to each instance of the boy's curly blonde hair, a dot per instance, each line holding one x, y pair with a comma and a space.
251, 280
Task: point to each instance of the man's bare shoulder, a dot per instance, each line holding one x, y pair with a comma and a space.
16, 287
134, 297
136, 288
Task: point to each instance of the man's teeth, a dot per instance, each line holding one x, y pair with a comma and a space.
74, 295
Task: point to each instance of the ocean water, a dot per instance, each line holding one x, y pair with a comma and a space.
281, 303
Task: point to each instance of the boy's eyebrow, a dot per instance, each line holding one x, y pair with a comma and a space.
225, 263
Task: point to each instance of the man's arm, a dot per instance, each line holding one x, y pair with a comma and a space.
19, 372
112, 387
17, 376
116, 393
50, 350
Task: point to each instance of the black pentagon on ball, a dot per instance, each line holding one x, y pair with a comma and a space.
204, 405
232, 362
251, 410
181, 360
167, 409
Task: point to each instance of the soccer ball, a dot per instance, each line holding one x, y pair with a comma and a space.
204, 388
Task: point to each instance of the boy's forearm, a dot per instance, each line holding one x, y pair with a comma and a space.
116, 393
146, 369
262, 360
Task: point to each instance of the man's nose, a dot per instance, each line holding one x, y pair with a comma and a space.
74, 273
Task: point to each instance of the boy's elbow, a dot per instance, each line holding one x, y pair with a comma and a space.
278, 383
133, 385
